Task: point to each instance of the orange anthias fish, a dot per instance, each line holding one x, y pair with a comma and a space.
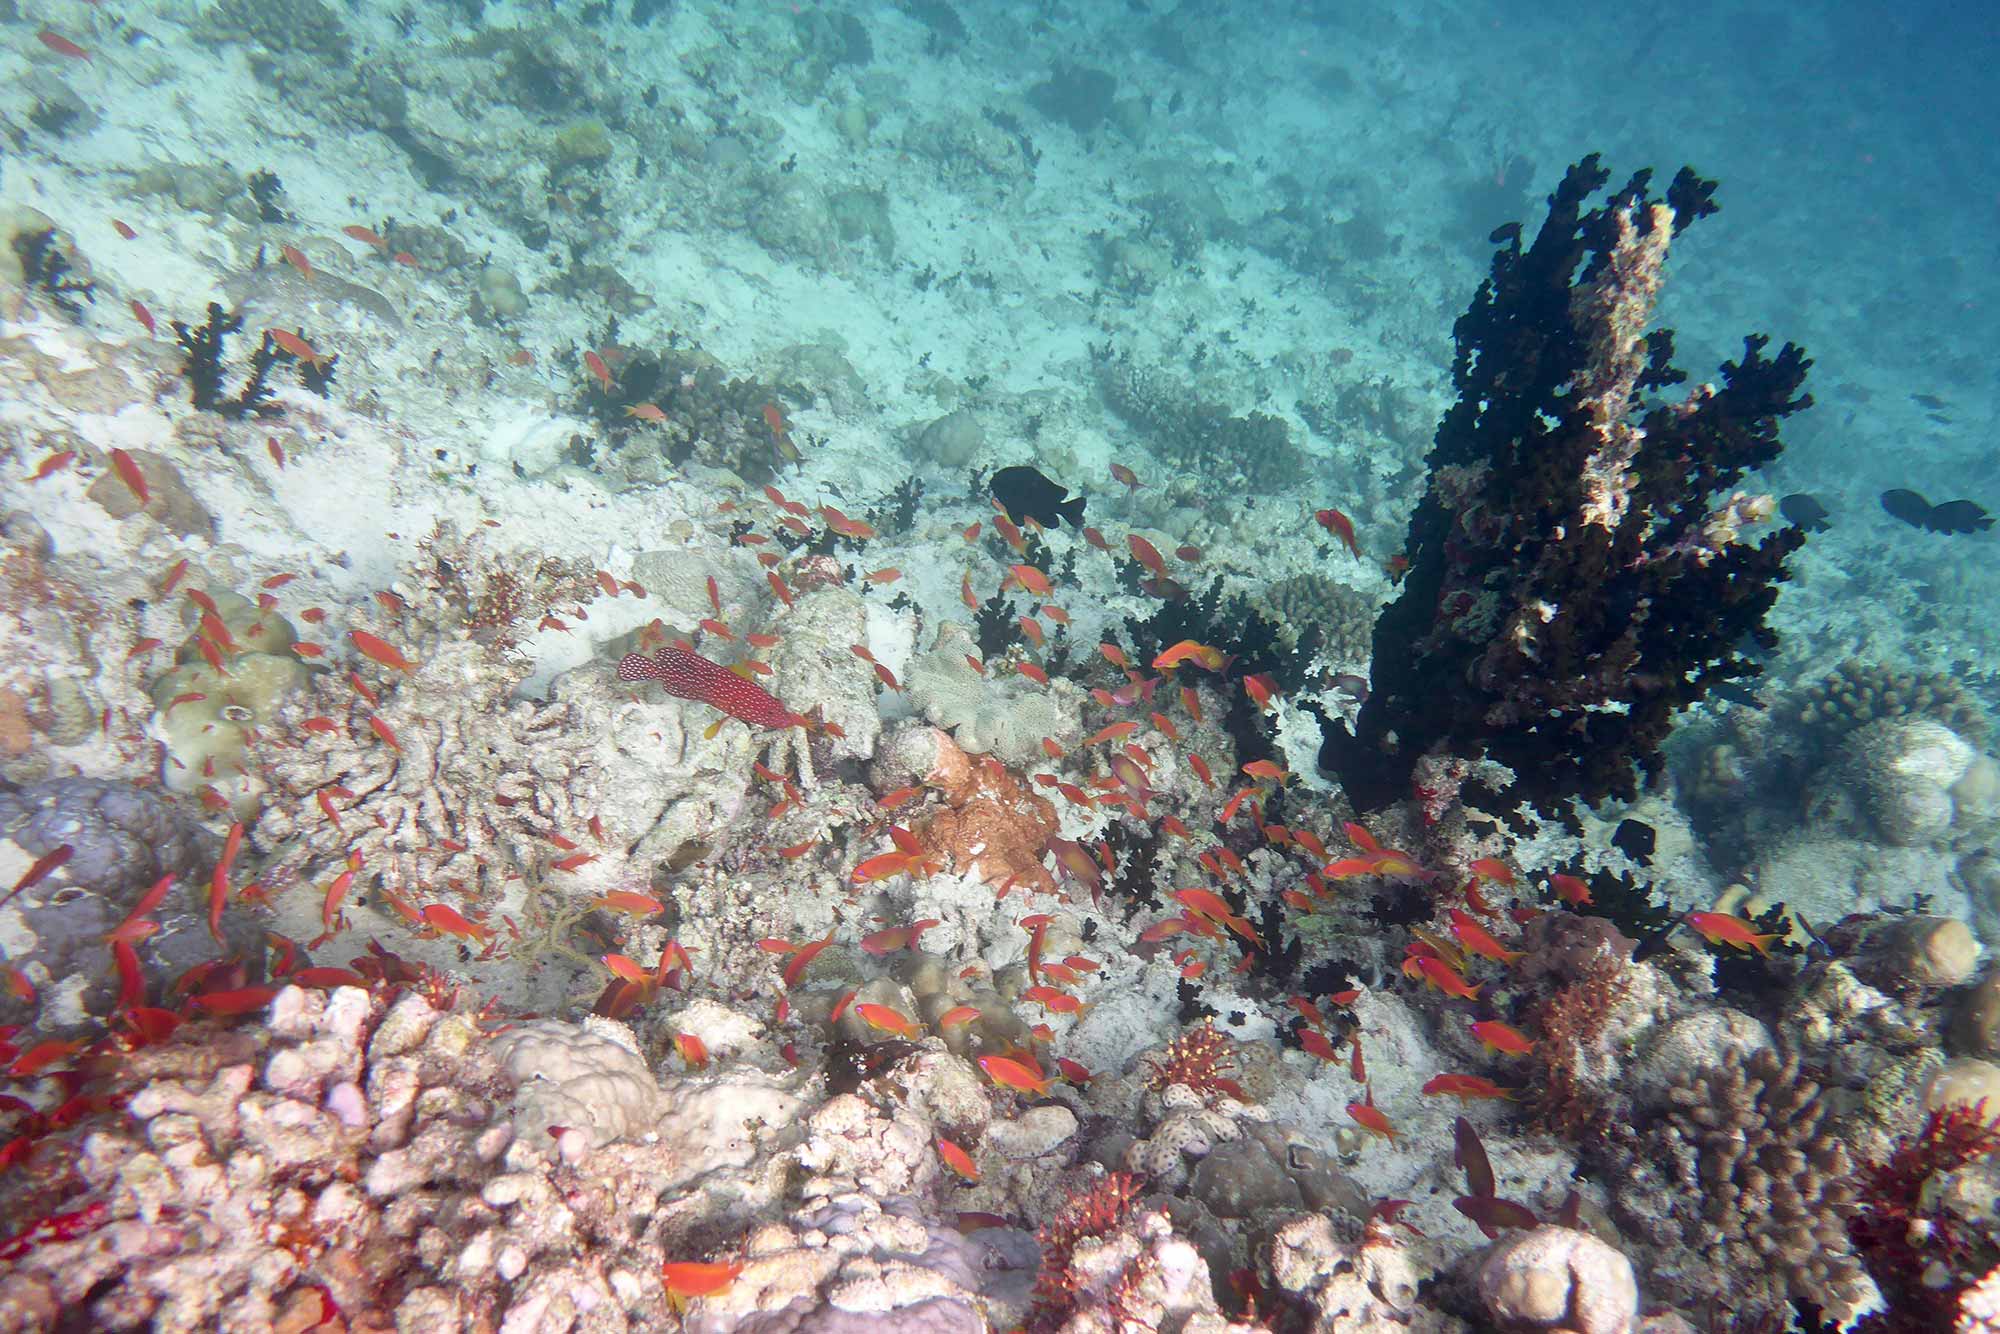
1503, 1038
294, 345
1014, 1074
379, 649
1187, 649
598, 370
1370, 1118
1028, 577
887, 1020
453, 923
1441, 975
1340, 526
1719, 928
1492, 868
1146, 554
1466, 1087
1124, 475
1208, 904
957, 1159
845, 526
1570, 889
1476, 939
686, 1279
897, 937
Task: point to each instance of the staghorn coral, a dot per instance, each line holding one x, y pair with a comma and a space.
1578, 573
1771, 1189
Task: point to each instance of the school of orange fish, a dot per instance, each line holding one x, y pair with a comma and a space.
1201, 928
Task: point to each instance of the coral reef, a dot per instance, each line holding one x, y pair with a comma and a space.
997, 713
680, 405
1856, 693
1768, 1188
1344, 617
1574, 580
1244, 455
355, 1156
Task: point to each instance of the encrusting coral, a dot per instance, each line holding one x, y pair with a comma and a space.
991, 824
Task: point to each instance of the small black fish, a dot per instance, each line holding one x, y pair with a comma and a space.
1636, 839
1026, 494
1931, 401
1805, 511
1737, 694
1953, 516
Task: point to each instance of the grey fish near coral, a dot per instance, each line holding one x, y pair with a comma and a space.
1805, 511
1951, 516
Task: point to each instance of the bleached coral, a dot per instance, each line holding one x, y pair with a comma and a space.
1001, 714
577, 1077
452, 778
812, 669
861, 1251
1358, 1280
349, 1137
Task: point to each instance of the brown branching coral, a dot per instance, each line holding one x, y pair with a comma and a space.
1856, 693
1774, 1187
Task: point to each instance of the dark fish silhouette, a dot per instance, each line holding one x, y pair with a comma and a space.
1636, 839
1805, 511
1953, 516
1026, 494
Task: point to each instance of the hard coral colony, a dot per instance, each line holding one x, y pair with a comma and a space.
625, 808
